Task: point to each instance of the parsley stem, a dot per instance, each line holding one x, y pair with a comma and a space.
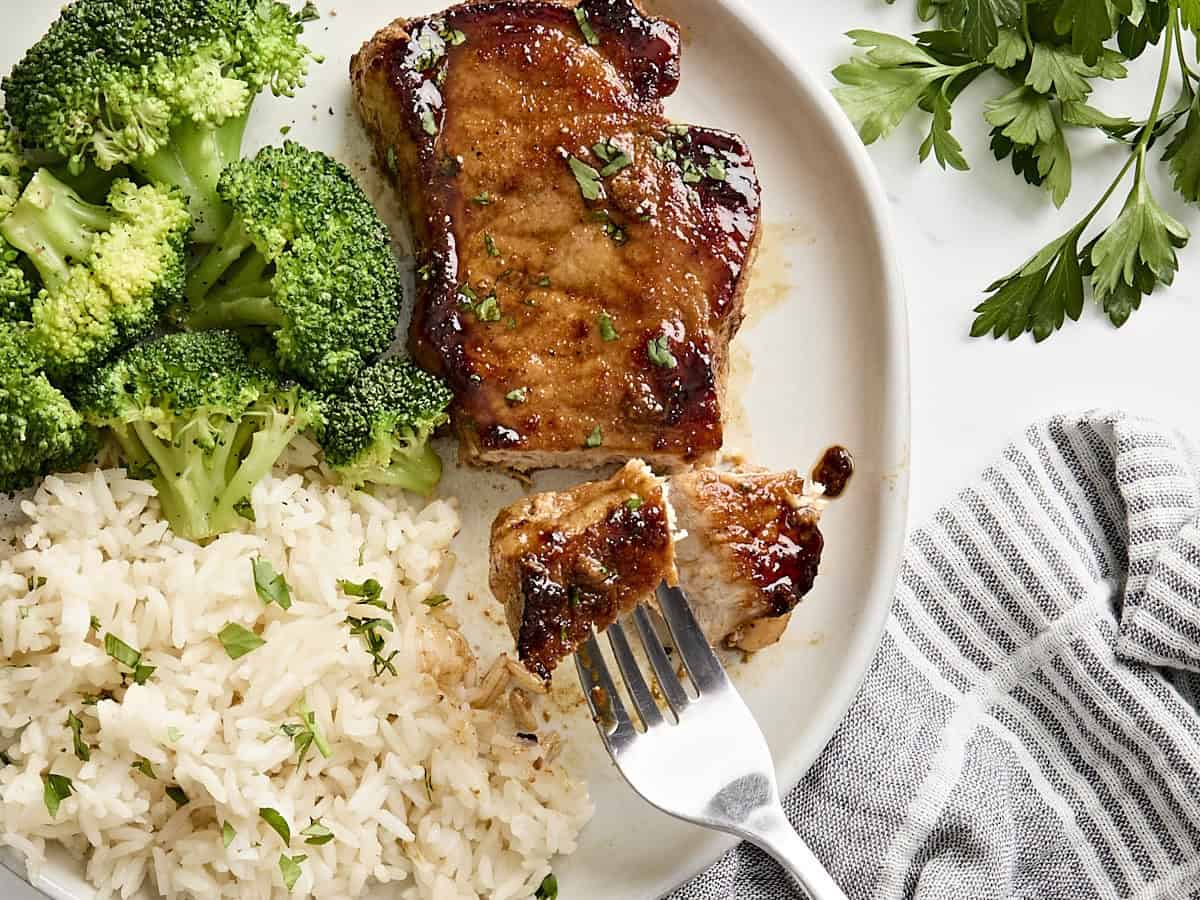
1188, 74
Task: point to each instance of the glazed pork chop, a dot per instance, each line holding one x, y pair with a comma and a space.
566, 562
581, 259
752, 551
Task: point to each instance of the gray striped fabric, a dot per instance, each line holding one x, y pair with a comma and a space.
1028, 728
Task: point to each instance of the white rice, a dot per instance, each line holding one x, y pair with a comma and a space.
423, 791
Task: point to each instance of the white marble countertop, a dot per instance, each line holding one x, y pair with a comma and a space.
958, 231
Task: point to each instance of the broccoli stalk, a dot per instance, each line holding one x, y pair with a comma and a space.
193, 160
306, 257
193, 414
378, 430
52, 225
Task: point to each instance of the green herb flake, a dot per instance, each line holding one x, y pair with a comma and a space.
595, 439
634, 503
618, 162
716, 169
659, 351
176, 793
142, 673
317, 834
490, 245
95, 624
454, 37
270, 585
428, 125
436, 600
82, 750
173, 734
228, 833
518, 396
677, 130
548, 889
238, 641
56, 789
692, 173
483, 198
307, 734
289, 867
284, 129
543, 281
608, 332
142, 765
585, 27
615, 233
488, 309
277, 822
587, 178
121, 651
368, 630
368, 591
245, 509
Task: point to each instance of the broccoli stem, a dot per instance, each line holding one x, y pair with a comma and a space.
415, 467
266, 446
232, 244
53, 225
193, 160
236, 312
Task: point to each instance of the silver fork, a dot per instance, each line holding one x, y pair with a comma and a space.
708, 764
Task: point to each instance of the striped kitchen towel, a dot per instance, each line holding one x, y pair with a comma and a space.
1028, 728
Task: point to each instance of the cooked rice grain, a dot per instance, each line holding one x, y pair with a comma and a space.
421, 791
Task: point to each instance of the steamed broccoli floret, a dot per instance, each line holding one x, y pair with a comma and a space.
107, 272
40, 432
377, 431
164, 85
193, 414
15, 290
306, 257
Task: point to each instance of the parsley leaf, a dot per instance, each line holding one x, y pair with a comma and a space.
289, 867
1052, 67
1183, 155
548, 889
368, 592
176, 793
595, 439
82, 750
517, 396
1038, 296
278, 823
238, 641
270, 586
659, 351
608, 331
228, 833
585, 27
587, 178
56, 789
317, 834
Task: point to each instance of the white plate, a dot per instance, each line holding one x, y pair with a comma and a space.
822, 359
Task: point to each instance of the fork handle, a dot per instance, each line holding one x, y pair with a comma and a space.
772, 833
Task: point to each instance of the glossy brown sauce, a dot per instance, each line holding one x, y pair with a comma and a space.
834, 471
571, 584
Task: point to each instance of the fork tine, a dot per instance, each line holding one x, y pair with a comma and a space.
608, 712
635, 682
701, 662
677, 697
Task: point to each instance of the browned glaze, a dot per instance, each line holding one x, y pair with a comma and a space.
568, 562
763, 523
834, 471
477, 112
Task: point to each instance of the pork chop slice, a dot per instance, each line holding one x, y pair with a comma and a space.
566, 562
752, 550
582, 260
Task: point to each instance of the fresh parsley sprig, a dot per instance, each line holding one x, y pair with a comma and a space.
1050, 53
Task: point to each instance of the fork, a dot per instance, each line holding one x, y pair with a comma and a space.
708, 763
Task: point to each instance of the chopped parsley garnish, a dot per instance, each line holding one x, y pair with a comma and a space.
543, 281
238, 641
289, 867
585, 27
436, 600
95, 625
34, 583
619, 162
595, 439
122, 652
614, 157
317, 834
270, 586
245, 509
278, 823
142, 765
467, 296
425, 272
57, 788
659, 351
548, 889
488, 309
306, 735
518, 396
454, 37
173, 734
483, 198
587, 178
428, 125
368, 592
616, 233
82, 750
665, 152
692, 173
228, 833
716, 169
368, 630
176, 793
634, 503
142, 673
608, 331
490, 244
677, 130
